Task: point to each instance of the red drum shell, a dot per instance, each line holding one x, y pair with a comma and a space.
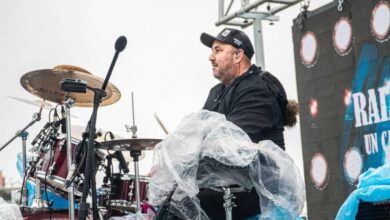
123, 190
52, 168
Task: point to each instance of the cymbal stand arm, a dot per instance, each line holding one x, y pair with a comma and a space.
36, 117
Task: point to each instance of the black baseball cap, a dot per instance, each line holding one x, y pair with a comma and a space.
234, 37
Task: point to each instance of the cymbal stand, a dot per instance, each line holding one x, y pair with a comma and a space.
23, 134
68, 105
38, 202
135, 153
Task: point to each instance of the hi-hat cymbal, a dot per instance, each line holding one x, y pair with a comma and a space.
45, 84
78, 130
130, 144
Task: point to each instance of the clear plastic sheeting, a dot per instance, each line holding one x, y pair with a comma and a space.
373, 186
207, 151
9, 211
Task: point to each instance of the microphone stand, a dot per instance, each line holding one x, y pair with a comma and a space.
90, 165
23, 134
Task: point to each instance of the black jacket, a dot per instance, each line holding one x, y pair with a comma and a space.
255, 101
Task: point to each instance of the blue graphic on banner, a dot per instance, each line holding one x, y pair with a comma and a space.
366, 119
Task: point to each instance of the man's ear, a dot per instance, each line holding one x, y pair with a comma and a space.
238, 54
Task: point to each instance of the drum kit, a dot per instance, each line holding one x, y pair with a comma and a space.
62, 163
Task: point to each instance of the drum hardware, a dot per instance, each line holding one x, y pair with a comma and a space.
46, 85
228, 203
56, 176
68, 105
131, 188
51, 168
46, 137
23, 134
38, 202
47, 141
74, 85
135, 153
90, 167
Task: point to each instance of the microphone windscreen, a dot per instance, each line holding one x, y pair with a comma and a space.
120, 44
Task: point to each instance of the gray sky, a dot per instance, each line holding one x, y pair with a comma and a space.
164, 64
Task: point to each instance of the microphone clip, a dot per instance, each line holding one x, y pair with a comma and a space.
74, 85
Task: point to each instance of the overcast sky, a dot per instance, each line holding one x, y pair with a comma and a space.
164, 64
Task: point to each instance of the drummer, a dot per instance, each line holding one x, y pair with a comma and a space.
249, 97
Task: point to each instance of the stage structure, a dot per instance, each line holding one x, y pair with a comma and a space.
342, 59
244, 13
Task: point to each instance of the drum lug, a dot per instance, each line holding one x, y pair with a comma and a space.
51, 169
131, 188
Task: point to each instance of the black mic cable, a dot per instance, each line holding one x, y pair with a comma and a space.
63, 118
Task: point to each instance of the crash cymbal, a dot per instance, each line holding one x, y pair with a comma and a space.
45, 84
130, 144
39, 103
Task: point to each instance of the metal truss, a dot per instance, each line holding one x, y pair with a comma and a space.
262, 8
252, 13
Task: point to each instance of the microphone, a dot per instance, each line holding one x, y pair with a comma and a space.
99, 133
63, 123
112, 137
119, 156
122, 161
59, 122
120, 44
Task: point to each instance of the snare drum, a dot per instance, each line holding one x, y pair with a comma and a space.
123, 191
52, 168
